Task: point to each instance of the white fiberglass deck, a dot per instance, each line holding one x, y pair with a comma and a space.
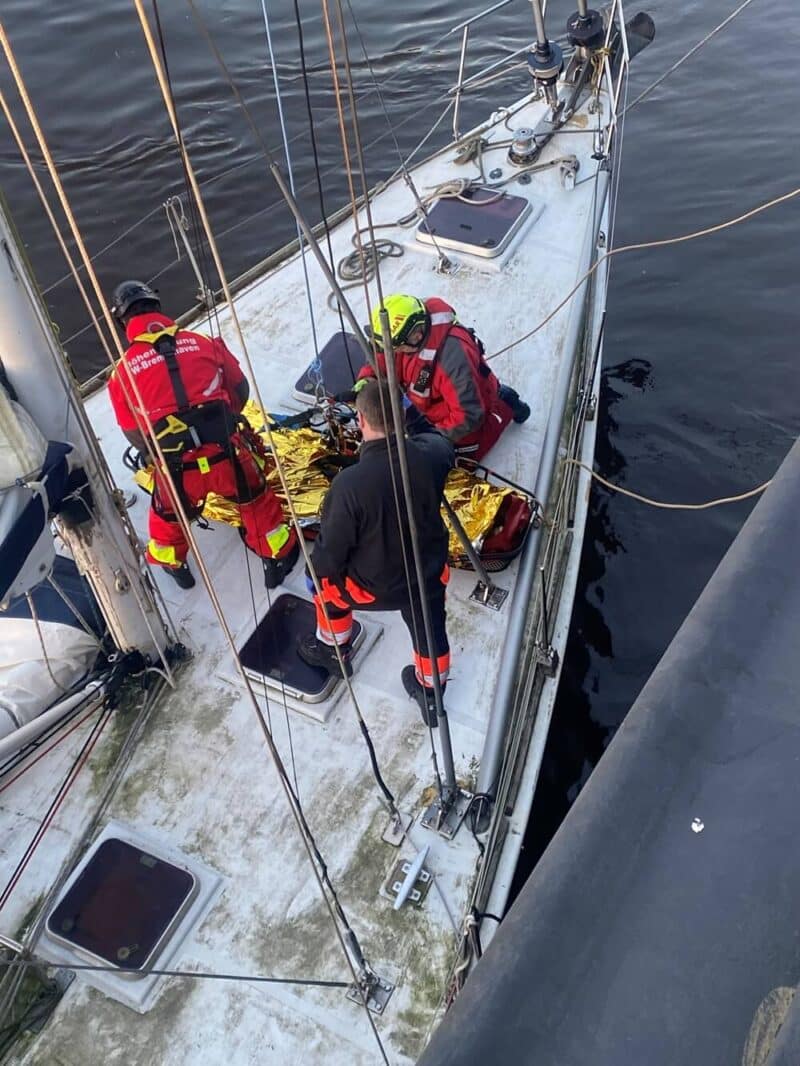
201, 779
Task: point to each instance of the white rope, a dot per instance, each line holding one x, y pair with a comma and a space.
670, 506
641, 246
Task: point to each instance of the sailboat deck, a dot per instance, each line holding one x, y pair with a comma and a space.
201, 780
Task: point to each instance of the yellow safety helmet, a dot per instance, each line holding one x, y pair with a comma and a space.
406, 313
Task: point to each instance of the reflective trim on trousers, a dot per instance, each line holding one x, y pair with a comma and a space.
277, 538
337, 628
424, 669
336, 631
163, 554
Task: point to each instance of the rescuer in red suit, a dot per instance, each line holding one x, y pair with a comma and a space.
192, 390
440, 367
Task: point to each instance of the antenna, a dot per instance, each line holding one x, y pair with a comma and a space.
545, 59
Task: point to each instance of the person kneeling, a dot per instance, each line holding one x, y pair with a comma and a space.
441, 367
358, 555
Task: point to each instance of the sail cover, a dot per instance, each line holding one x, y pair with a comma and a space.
661, 925
68, 633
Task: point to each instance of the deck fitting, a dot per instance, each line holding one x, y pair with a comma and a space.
547, 657
409, 881
447, 821
395, 831
373, 990
491, 595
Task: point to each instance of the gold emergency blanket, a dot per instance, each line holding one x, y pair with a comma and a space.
475, 501
298, 450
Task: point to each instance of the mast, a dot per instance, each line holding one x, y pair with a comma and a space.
101, 542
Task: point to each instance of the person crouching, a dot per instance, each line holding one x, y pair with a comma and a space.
358, 555
190, 389
441, 368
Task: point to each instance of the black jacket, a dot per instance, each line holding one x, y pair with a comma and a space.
360, 533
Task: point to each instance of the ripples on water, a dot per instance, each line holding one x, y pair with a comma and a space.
699, 395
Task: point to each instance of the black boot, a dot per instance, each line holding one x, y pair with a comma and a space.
424, 696
520, 410
182, 575
277, 570
314, 652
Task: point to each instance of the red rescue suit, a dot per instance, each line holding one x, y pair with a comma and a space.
188, 387
450, 382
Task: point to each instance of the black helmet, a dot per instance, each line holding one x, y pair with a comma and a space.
128, 293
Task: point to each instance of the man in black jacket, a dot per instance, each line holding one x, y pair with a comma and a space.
358, 555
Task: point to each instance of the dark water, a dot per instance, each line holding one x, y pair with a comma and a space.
700, 391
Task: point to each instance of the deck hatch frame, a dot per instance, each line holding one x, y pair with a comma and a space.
289, 615
485, 231
137, 989
121, 880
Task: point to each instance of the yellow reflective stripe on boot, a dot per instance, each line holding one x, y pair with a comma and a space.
277, 538
164, 554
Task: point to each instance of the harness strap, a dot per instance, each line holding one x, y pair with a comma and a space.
167, 348
421, 386
204, 462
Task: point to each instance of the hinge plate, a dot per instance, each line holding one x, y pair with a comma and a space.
494, 597
447, 824
377, 992
395, 831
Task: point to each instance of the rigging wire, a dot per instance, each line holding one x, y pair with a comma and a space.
312, 127
421, 592
95, 451
71, 776
10, 981
402, 169
304, 187
641, 246
347, 940
213, 310
646, 92
41, 754
388, 796
106, 247
290, 173
414, 117
199, 975
321, 873
68, 602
